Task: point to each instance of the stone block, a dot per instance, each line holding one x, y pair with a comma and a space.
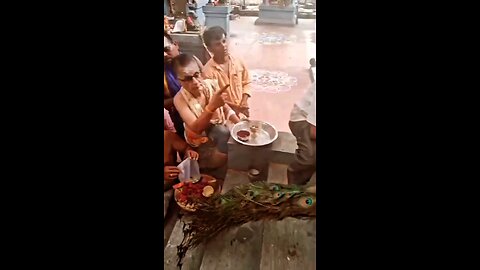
242, 157
276, 15
218, 16
167, 198
192, 43
283, 149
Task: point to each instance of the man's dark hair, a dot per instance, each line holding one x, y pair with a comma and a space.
212, 34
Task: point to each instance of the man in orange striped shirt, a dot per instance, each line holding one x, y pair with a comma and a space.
227, 70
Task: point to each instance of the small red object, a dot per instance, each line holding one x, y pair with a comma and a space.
179, 185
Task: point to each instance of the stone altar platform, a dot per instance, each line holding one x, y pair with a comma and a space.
191, 42
218, 16
269, 14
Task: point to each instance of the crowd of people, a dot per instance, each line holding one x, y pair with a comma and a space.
201, 102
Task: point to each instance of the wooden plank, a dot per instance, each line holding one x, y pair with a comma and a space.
192, 259
237, 248
289, 243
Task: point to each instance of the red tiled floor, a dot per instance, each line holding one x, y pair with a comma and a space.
292, 58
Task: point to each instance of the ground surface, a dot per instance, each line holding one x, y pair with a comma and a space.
289, 244
278, 49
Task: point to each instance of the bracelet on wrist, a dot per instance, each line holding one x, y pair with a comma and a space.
207, 110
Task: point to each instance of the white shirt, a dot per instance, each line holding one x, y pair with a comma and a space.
306, 108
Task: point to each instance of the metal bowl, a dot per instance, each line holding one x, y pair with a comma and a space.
264, 135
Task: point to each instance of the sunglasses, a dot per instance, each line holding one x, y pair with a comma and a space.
189, 78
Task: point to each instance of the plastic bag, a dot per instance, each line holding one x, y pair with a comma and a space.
189, 169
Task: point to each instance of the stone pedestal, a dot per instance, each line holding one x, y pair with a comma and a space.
244, 158
277, 15
191, 42
218, 16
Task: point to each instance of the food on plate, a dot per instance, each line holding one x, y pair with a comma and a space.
188, 193
243, 135
208, 191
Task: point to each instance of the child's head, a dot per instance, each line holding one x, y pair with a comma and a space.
215, 38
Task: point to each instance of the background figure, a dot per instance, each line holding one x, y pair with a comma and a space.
199, 11
227, 70
171, 85
303, 124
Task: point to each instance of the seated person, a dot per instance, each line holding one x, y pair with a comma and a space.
172, 144
202, 107
171, 85
303, 124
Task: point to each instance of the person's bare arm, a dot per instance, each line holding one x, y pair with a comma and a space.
178, 144
245, 85
230, 116
197, 125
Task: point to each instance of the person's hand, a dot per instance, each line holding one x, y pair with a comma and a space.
243, 108
218, 99
240, 109
170, 172
192, 154
244, 103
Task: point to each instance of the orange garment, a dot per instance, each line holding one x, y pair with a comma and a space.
238, 78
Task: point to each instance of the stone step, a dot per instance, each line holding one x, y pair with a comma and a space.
234, 178
277, 173
283, 149
307, 15
238, 248
244, 158
193, 258
289, 243
167, 198
170, 220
